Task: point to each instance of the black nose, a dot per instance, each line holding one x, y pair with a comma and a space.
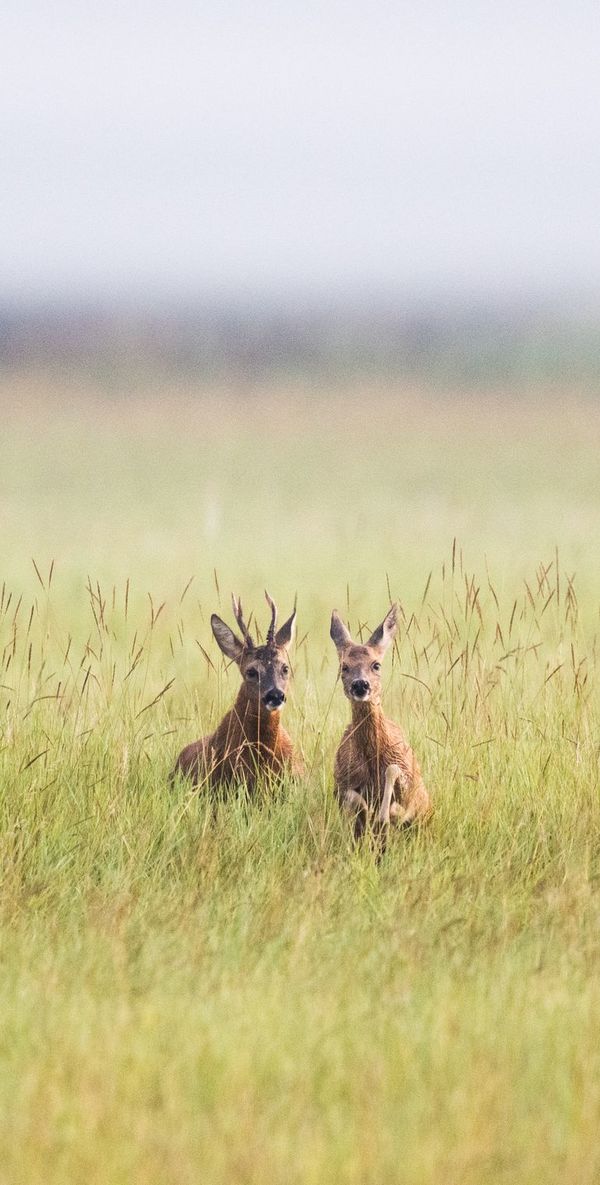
274, 698
359, 687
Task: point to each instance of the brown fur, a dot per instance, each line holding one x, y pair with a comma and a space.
377, 776
250, 741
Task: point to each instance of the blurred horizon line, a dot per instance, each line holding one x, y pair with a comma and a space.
567, 300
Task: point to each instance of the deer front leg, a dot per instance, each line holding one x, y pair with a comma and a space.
356, 807
393, 774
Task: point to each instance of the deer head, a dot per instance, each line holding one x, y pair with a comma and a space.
360, 666
264, 669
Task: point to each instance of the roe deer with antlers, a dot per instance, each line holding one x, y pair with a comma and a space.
249, 741
377, 777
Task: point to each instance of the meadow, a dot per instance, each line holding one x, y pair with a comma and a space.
230, 992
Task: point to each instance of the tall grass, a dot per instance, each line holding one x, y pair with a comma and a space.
228, 992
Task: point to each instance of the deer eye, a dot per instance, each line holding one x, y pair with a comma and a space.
285, 670
375, 666
252, 673
345, 668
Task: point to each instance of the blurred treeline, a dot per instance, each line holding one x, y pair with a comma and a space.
461, 345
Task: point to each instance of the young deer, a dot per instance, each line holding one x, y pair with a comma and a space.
249, 741
377, 776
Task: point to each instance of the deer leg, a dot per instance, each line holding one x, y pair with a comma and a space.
392, 774
355, 805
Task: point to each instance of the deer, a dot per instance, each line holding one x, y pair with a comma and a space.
377, 777
249, 742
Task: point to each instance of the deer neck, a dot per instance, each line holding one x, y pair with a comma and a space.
257, 724
368, 731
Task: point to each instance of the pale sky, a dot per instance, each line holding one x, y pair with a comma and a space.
242, 149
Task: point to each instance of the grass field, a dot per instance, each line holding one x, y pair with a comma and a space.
232, 994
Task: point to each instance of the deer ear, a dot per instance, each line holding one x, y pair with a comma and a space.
286, 632
339, 633
382, 637
226, 639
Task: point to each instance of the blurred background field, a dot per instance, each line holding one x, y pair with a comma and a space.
321, 483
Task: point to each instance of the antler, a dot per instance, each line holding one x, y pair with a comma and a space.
239, 617
270, 640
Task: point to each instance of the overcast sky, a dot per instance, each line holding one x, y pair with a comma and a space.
299, 147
